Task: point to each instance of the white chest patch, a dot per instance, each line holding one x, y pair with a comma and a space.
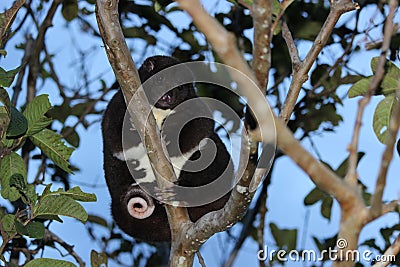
161, 114
140, 161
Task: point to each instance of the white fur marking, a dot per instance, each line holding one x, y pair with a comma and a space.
182, 259
241, 189
161, 114
138, 153
134, 152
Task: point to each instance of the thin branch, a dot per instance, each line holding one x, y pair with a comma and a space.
261, 225
262, 20
351, 175
88, 109
337, 9
392, 251
34, 65
390, 207
376, 200
201, 259
125, 71
293, 52
247, 224
25, 59
8, 18
50, 236
322, 177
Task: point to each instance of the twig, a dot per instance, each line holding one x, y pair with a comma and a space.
347, 51
293, 52
34, 65
351, 175
8, 18
50, 236
283, 6
261, 225
247, 224
337, 9
201, 259
88, 109
391, 206
376, 199
25, 59
262, 20
392, 251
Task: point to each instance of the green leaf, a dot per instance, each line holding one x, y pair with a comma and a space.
389, 85
60, 205
51, 144
61, 112
35, 114
314, 196
8, 225
157, 6
11, 165
32, 229
7, 18
35, 230
97, 220
70, 9
5, 99
381, 119
72, 138
341, 171
75, 193
18, 124
49, 217
20, 228
7, 77
360, 88
326, 207
284, 238
44, 262
18, 181
391, 70
30, 194
98, 259
139, 32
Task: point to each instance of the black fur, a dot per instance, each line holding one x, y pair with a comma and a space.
118, 177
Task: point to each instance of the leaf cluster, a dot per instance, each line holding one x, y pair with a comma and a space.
387, 88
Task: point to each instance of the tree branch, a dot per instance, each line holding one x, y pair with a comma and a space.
34, 64
293, 52
262, 20
393, 251
52, 237
338, 8
128, 78
376, 200
224, 44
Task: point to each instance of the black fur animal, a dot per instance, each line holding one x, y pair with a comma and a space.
135, 212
